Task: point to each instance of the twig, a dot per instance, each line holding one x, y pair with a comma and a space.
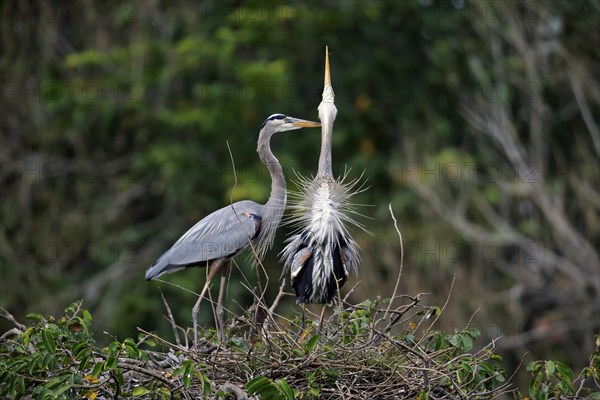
178, 287
8, 316
117, 386
415, 301
145, 371
345, 299
442, 310
164, 341
277, 298
171, 319
9, 333
401, 262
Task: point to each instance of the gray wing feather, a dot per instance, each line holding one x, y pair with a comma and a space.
223, 233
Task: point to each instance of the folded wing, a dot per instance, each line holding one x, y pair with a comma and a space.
221, 234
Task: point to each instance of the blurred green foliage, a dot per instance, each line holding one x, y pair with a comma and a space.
117, 119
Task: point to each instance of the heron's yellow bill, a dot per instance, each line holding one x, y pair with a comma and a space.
303, 123
327, 80
328, 94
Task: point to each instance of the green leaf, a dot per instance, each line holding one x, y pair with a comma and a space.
311, 344
262, 386
285, 389
120, 378
565, 370
206, 389
565, 375
35, 316
87, 316
97, 369
550, 368
454, 340
49, 361
27, 336
140, 391
187, 373
36, 359
131, 348
83, 363
255, 384
473, 332
534, 366
534, 387
111, 362
21, 383
467, 342
48, 341
297, 353
80, 350
60, 389
114, 348
53, 383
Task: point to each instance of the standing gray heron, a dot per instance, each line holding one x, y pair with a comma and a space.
322, 254
219, 236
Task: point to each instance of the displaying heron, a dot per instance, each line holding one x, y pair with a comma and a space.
321, 254
215, 239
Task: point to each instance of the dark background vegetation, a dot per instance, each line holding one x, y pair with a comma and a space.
477, 120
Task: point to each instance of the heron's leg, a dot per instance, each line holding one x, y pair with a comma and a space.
213, 269
321, 319
302, 322
224, 271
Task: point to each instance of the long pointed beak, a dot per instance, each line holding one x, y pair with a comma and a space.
304, 123
327, 81
328, 94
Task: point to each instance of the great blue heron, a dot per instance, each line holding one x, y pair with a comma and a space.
322, 254
215, 239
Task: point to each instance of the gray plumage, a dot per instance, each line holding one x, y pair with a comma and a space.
221, 234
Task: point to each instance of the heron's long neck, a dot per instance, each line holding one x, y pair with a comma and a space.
327, 113
277, 198
325, 169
